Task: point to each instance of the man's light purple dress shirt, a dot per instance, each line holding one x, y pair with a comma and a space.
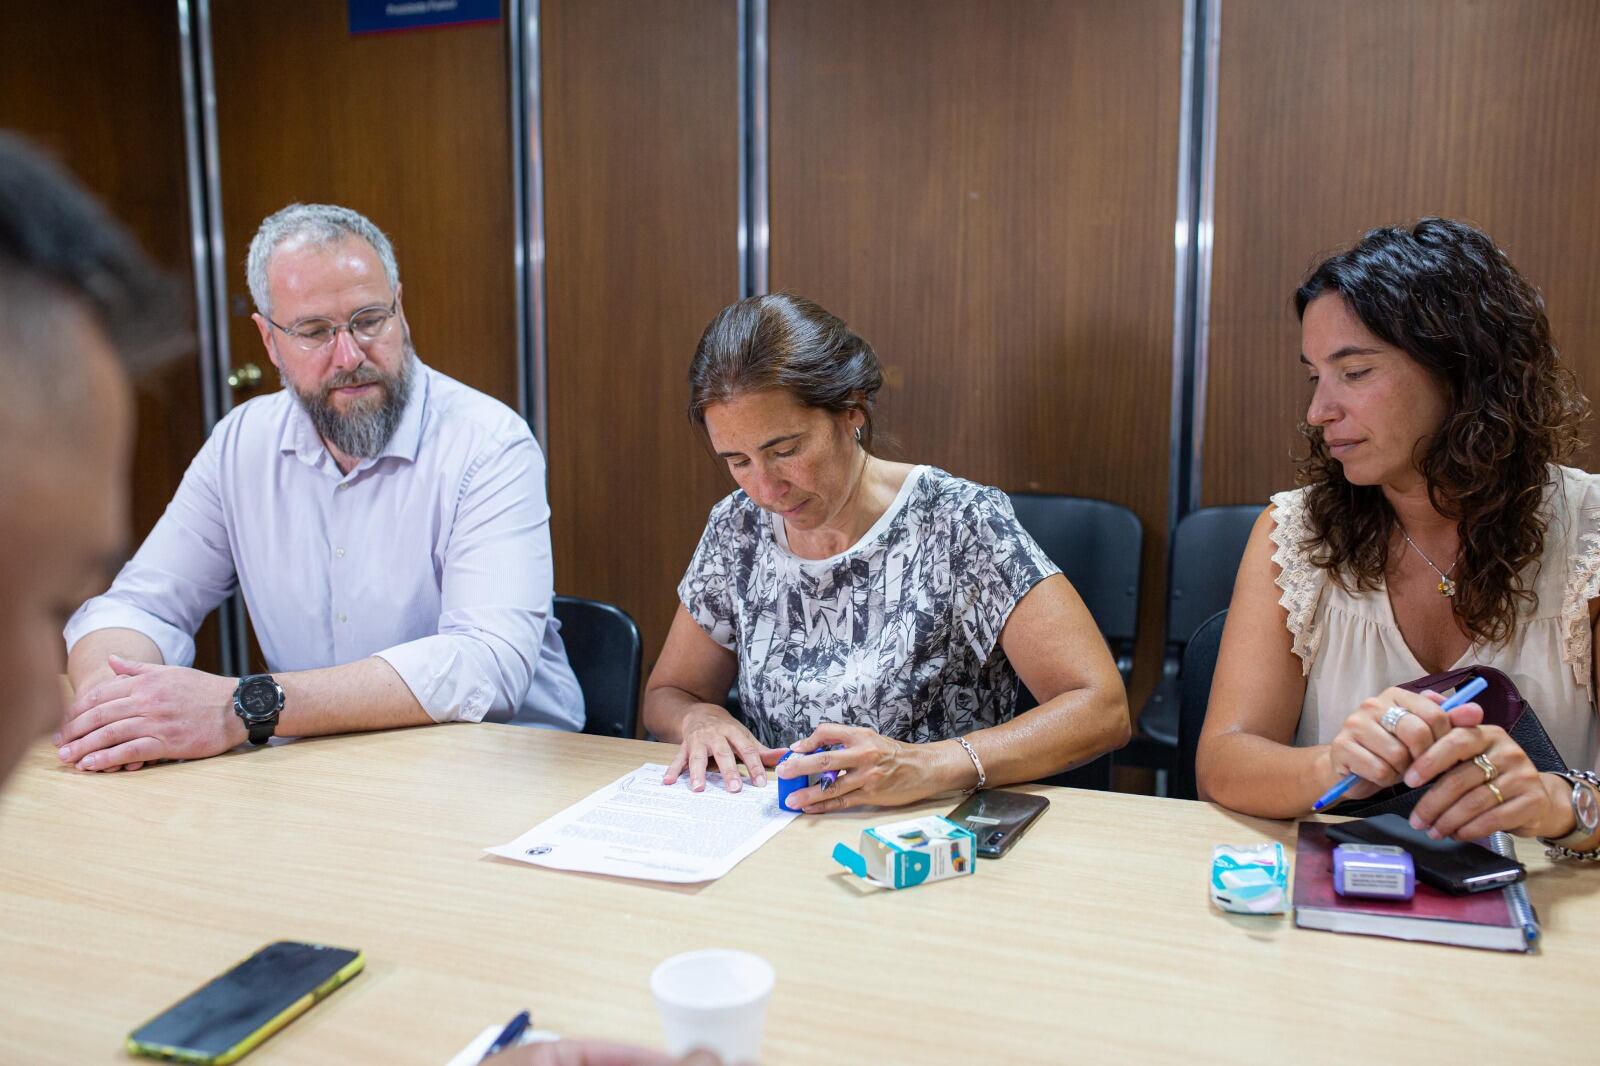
435, 555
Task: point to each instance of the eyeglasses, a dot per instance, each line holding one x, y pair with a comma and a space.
367, 324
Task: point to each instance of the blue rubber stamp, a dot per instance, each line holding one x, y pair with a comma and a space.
788, 786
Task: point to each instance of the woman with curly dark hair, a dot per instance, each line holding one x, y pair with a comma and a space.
1435, 529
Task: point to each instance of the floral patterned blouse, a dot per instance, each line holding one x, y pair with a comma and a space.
899, 633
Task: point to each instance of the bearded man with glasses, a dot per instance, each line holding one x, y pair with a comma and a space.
387, 526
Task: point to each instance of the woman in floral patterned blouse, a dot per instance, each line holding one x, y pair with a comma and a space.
876, 614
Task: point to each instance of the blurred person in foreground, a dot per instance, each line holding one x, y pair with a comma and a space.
78, 301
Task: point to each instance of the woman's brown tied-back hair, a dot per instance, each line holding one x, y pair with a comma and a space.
783, 341
1444, 294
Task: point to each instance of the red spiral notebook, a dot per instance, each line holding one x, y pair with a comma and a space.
1479, 920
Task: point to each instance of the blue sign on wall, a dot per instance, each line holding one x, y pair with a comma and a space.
377, 16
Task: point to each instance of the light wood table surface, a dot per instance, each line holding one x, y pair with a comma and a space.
1093, 941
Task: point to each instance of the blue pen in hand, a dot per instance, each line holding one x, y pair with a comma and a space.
1462, 695
509, 1035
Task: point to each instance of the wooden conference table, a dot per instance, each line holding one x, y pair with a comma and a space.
1093, 941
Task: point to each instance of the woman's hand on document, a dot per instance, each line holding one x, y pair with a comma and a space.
711, 734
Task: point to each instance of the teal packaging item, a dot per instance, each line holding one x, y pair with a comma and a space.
1250, 879
912, 852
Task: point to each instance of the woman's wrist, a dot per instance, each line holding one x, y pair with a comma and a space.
681, 714
1557, 819
954, 770
1323, 776
701, 713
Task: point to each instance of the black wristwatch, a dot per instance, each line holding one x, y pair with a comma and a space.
258, 700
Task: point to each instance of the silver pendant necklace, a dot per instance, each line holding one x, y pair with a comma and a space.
1446, 586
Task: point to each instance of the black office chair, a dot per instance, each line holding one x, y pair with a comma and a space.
606, 653
1194, 693
1207, 546
1096, 544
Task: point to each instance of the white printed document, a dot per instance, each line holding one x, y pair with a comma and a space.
638, 827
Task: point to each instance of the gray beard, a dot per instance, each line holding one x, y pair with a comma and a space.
365, 429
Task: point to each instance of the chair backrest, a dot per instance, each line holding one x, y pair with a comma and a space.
1097, 545
1194, 693
606, 653
1206, 549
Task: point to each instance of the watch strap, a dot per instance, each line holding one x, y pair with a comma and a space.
1564, 847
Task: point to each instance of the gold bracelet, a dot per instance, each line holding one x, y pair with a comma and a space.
977, 764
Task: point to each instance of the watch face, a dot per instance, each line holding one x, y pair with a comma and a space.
1586, 806
258, 698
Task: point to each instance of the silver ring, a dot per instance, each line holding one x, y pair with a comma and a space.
1391, 718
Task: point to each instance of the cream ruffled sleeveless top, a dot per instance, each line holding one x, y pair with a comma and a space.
1350, 647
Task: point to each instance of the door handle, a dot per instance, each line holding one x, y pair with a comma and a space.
245, 377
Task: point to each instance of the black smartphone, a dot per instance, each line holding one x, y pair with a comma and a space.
997, 818
1455, 866
226, 1018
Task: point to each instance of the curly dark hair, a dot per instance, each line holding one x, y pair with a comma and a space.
1442, 292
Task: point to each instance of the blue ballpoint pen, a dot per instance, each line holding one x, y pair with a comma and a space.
509, 1035
1462, 695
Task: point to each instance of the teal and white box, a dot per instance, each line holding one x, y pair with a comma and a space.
912, 852
1250, 878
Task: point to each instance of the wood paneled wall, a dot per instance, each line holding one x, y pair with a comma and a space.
98, 87
640, 102
1336, 116
986, 192
411, 129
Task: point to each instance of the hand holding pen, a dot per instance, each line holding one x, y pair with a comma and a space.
1381, 739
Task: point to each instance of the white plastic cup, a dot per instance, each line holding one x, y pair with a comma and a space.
715, 999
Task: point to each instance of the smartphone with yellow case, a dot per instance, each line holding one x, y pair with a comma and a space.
229, 1016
